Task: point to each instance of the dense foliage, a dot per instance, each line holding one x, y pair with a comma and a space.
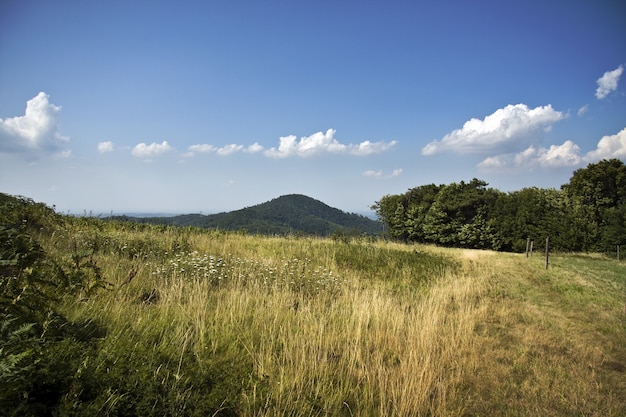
289, 214
587, 214
40, 348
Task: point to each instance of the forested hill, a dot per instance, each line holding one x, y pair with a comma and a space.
294, 213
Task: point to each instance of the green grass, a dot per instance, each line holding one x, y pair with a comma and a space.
192, 322
557, 338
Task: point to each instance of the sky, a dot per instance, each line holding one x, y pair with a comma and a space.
211, 106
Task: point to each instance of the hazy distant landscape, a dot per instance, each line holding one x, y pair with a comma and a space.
283, 215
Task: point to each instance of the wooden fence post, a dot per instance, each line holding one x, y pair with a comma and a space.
547, 250
618, 252
527, 246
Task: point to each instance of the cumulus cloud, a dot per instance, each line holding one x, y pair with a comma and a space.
608, 82
370, 148
566, 155
224, 150
36, 130
583, 110
229, 149
154, 149
610, 146
202, 148
511, 127
104, 147
316, 144
254, 148
320, 143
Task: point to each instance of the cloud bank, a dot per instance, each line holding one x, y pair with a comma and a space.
511, 134
36, 131
308, 146
565, 155
316, 144
321, 143
508, 128
224, 150
608, 82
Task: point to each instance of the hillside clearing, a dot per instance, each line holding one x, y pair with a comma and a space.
192, 322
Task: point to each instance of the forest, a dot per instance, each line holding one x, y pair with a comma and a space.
586, 214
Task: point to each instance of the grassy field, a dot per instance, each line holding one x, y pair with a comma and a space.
207, 323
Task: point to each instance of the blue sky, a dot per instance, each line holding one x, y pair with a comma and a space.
208, 106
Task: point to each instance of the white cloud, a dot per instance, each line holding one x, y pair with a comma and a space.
154, 149
319, 143
565, 155
613, 146
583, 110
396, 172
254, 148
495, 163
224, 150
229, 149
370, 148
511, 127
202, 148
608, 82
104, 147
36, 130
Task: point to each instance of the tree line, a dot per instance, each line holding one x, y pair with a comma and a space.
586, 214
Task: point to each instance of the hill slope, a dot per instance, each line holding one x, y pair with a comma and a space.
293, 213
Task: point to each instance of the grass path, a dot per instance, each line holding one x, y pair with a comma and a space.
553, 342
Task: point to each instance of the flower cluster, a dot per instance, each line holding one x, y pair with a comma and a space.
295, 274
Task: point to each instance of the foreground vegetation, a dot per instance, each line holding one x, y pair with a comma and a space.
105, 318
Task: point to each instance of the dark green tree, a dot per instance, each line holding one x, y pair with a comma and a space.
391, 210
600, 189
460, 215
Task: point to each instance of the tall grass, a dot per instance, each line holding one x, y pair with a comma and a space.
210, 323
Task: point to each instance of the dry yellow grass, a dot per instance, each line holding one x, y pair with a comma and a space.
494, 335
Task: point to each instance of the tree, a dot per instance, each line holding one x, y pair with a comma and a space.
391, 211
460, 214
404, 214
601, 189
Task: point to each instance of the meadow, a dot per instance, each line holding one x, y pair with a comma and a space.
190, 322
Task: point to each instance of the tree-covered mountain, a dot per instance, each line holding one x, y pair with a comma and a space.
294, 213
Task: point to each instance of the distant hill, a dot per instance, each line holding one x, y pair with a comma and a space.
294, 213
